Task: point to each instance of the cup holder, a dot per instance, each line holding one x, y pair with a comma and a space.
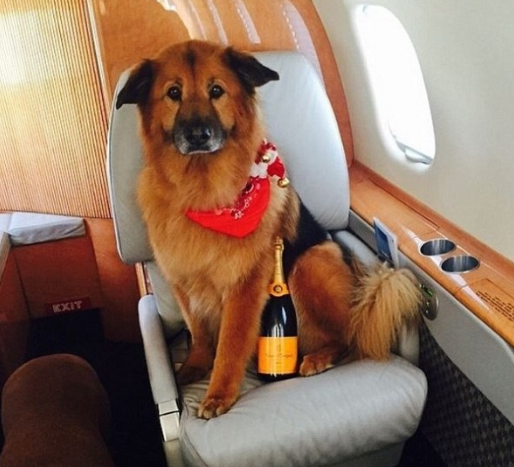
438, 246
459, 264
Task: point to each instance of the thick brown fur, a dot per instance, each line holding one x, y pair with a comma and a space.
201, 128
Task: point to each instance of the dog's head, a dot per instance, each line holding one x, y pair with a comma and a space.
196, 95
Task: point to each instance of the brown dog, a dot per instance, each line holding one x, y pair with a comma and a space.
212, 215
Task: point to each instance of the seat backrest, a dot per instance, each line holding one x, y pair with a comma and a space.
299, 121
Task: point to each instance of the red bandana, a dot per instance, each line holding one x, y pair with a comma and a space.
244, 216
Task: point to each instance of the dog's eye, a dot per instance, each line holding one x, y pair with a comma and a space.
174, 93
216, 92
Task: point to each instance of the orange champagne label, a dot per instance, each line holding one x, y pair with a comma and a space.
277, 355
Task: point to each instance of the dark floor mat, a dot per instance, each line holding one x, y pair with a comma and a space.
64, 333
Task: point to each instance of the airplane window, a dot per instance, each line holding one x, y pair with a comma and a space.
397, 82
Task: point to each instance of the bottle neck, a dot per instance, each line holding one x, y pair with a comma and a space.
278, 286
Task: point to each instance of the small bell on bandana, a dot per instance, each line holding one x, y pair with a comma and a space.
283, 182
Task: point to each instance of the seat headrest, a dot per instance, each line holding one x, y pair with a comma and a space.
299, 121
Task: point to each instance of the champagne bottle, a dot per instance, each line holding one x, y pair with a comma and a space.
277, 353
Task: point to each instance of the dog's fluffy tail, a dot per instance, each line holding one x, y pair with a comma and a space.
384, 301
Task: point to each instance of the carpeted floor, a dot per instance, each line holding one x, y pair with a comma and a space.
135, 435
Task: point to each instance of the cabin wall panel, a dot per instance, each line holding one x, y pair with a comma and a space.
62, 60
57, 273
128, 31
52, 141
469, 412
80, 274
464, 51
119, 284
462, 424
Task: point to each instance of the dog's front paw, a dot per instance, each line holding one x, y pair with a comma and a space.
313, 364
213, 406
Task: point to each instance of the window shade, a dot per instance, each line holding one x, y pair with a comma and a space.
54, 122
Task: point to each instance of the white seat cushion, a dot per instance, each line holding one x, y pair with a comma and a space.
341, 414
5, 221
27, 228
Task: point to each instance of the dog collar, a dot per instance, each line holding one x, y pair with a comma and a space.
243, 217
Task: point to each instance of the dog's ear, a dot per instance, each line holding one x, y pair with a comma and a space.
138, 86
250, 71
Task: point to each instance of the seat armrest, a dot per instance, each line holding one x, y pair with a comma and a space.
160, 370
351, 242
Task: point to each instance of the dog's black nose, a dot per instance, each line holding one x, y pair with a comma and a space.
198, 135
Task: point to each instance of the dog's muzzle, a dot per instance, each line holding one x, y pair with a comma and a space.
198, 136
